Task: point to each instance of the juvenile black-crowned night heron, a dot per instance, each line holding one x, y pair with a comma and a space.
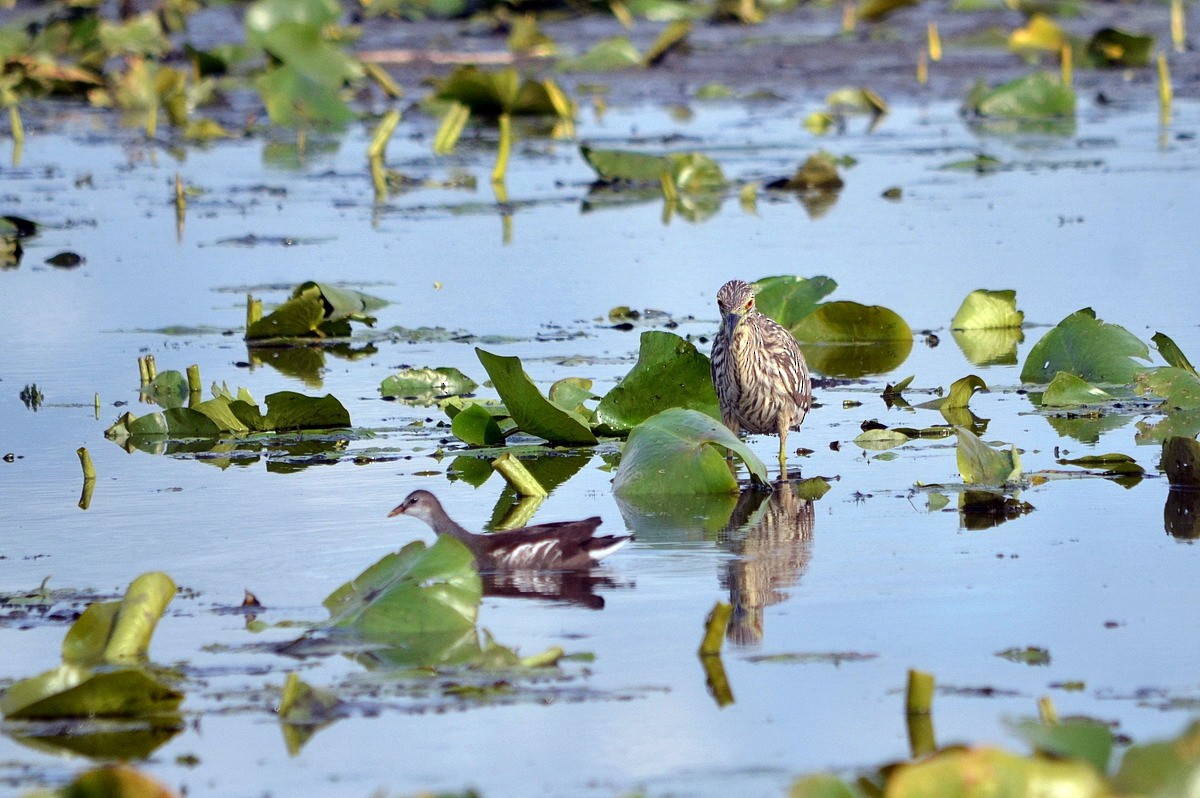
758, 369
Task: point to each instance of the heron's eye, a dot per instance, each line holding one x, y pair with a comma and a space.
749, 304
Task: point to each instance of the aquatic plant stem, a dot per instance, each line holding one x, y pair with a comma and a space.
1178, 26
505, 147
935, 41
1165, 91
383, 134
253, 311
714, 629
517, 475
1066, 63
918, 697
922, 68
1046, 710
16, 126
194, 388
85, 459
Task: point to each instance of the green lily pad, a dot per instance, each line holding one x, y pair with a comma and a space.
1171, 353
1112, 47
1078, 739
1088, 348
670, 372
1036, 96
607, 55
120, 631
168, 389
1163, 768
787, 299
503, 91
316, 310
426, 386
960, 771
980, 464
288, 410
820, 785
682, 451
988, 310
690, 173
1067, 390
1179, 388
1029, 655
413, 591
959, 395
476, 426
878, 440
532, 412
570, 393
78, 691
850, 322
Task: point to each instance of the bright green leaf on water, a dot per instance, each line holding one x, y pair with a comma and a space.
670, 372
962, 771
1079, 739
1117, 48
570, 393
1161, 769
413, 591
1171, 353
1179, 388
532, 412
959, 395
714, 91
820, 785
288, 410
671, 37
503, 91
120, 631
316, 310
1088, 348
426, 386
1122, 467
981, 164
475, 426
988, 310
1040, 33
787, 299
878, 440
1036, 96
77, 691
682, 451
168, 389
980, 464
1067, 390
850, 322
857, 99
607, 55
688, 172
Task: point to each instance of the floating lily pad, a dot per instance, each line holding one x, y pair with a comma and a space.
532, 412
682, 451
1078, 739
878, 440
1036, 96
426, 385
476, 426
818, 173
850, 322
689, 172
959, 771
1040, 33
1160, 768
1067, 390
980, 464
670, 372
607, 55
959, 395
503, 91
1030, 655
1179, 388
788, 299
413, 591
988, 310
316, 310
1088, 348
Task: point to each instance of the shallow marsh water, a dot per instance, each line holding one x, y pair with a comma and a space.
1103, 216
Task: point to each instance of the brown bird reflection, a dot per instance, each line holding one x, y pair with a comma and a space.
569, 587
772, 535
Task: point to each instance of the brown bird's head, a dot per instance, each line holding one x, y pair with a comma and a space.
419, 504
735, 300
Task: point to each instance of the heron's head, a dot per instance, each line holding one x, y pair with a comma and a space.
419, 504
735, 300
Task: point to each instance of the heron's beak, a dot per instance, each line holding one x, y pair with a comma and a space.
729, 323
397, 510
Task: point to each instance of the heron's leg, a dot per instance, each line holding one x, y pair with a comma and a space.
783, 472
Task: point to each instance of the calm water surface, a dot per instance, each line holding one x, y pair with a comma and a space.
1103, 216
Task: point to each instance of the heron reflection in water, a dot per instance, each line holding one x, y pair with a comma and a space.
771, 534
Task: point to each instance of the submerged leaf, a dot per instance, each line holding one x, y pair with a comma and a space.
682, 451
670, 372
532, 412
1088, 348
